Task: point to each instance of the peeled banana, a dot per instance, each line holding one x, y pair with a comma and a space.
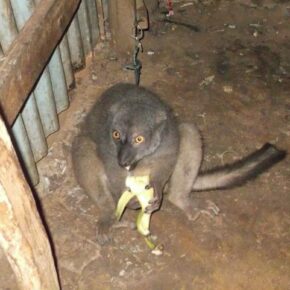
138, 187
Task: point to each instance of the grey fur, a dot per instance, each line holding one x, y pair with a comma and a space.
171, 154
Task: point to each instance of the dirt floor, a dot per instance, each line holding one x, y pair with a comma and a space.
229, 72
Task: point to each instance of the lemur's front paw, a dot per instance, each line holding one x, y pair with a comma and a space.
103, 232
155, 202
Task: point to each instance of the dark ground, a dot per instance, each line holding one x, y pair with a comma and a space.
232, 79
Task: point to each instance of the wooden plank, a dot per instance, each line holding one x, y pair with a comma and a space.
30, 52
22, 235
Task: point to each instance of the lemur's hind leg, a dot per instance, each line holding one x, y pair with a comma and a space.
185, 173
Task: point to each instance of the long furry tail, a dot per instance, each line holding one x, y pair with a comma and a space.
241, 171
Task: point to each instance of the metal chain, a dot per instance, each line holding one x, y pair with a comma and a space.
138, 35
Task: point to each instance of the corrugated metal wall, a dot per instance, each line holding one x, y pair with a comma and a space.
39, 116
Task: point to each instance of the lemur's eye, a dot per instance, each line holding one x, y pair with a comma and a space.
139, 139
116, 135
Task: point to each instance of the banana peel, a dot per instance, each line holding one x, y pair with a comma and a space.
123, 200
138, 187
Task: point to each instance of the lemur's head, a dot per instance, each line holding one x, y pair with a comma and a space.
137, 132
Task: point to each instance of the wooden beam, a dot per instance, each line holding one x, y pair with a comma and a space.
22, 235
30, 52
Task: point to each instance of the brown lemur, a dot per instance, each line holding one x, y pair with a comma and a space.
131, 131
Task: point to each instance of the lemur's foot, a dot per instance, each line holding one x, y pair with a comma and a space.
194, 209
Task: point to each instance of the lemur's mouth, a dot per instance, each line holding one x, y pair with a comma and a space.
130, 167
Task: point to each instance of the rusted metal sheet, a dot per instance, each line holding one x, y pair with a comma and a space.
94, 21
56, 71
46, 105
38, 117
24, 149
23, 10
30, 151
84, 23
67, 65
8, 29
58, 82
34, 129
101, 18
75, 44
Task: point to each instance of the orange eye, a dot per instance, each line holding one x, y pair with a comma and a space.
139, 139
116, 135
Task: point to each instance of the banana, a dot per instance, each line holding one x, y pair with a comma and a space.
123, 200
137, 186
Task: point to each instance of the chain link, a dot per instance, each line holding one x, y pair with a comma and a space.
138, 35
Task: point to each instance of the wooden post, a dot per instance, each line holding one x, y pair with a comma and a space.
122, 23
22, 235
